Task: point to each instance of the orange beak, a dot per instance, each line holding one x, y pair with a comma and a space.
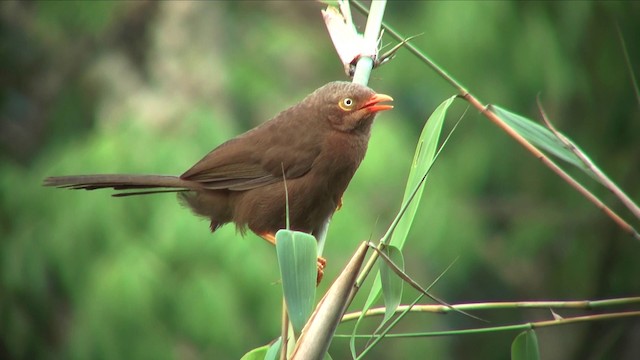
373, 105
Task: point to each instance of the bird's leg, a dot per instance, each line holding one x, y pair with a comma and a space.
269, 237
322, 262
339, 204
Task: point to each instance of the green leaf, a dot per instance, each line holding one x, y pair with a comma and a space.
391, 282
422, 161
274, 350
257, 353
297, 257
525, 346
335, 3
540, 136
273, 353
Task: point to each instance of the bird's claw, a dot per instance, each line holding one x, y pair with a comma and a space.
322, 262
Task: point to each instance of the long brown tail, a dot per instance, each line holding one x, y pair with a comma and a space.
123, 182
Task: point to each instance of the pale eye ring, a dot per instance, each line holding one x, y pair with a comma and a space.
346, 103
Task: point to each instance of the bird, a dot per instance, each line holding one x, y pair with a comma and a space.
302, 160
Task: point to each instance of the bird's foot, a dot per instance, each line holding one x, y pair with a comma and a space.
322, 262
269, 237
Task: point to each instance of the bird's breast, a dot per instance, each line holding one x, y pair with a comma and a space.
338, 161
312, 197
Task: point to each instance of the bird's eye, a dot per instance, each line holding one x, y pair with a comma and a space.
346, 104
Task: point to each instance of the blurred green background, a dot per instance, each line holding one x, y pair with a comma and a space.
150, 87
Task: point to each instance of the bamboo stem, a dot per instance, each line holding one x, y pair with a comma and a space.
493, 117
443, 309
520, 327
371, 34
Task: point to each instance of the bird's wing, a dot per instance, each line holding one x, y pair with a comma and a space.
255, 159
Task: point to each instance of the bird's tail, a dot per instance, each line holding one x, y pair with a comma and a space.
126, 182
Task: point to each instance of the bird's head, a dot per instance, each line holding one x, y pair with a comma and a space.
347, 106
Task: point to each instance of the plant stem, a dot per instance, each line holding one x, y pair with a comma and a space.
595, 170
361, 76
489, 114
371, 34
284, 331
526, 326
442, 309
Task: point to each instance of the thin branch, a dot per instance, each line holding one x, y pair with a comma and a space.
632, 75
518, 327
414, 50
414, 284
387, 236
600, 176
284, 331
486, 111
371, 34
489, 114
441, 309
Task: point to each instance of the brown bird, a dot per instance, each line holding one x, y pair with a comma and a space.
314, 147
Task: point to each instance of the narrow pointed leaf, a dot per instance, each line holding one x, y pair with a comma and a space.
318, 332
525, 346
391, 283
540, 136
297, 257
257, 354
422, 162
273, 353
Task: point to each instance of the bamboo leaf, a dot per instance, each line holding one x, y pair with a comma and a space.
258, 353
391, 283
297, 257
422, 161
540, 136
525, 346
273, 353
319, 331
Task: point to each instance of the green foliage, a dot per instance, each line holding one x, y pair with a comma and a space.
262, 353
297, 257
540, 136
391, 283
274, 350
423, 160
525, 346
76, 16
152, 87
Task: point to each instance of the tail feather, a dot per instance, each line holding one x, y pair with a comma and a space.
148, 192
123, 182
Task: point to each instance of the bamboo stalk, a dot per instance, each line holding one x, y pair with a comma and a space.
493, 117
443, 309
